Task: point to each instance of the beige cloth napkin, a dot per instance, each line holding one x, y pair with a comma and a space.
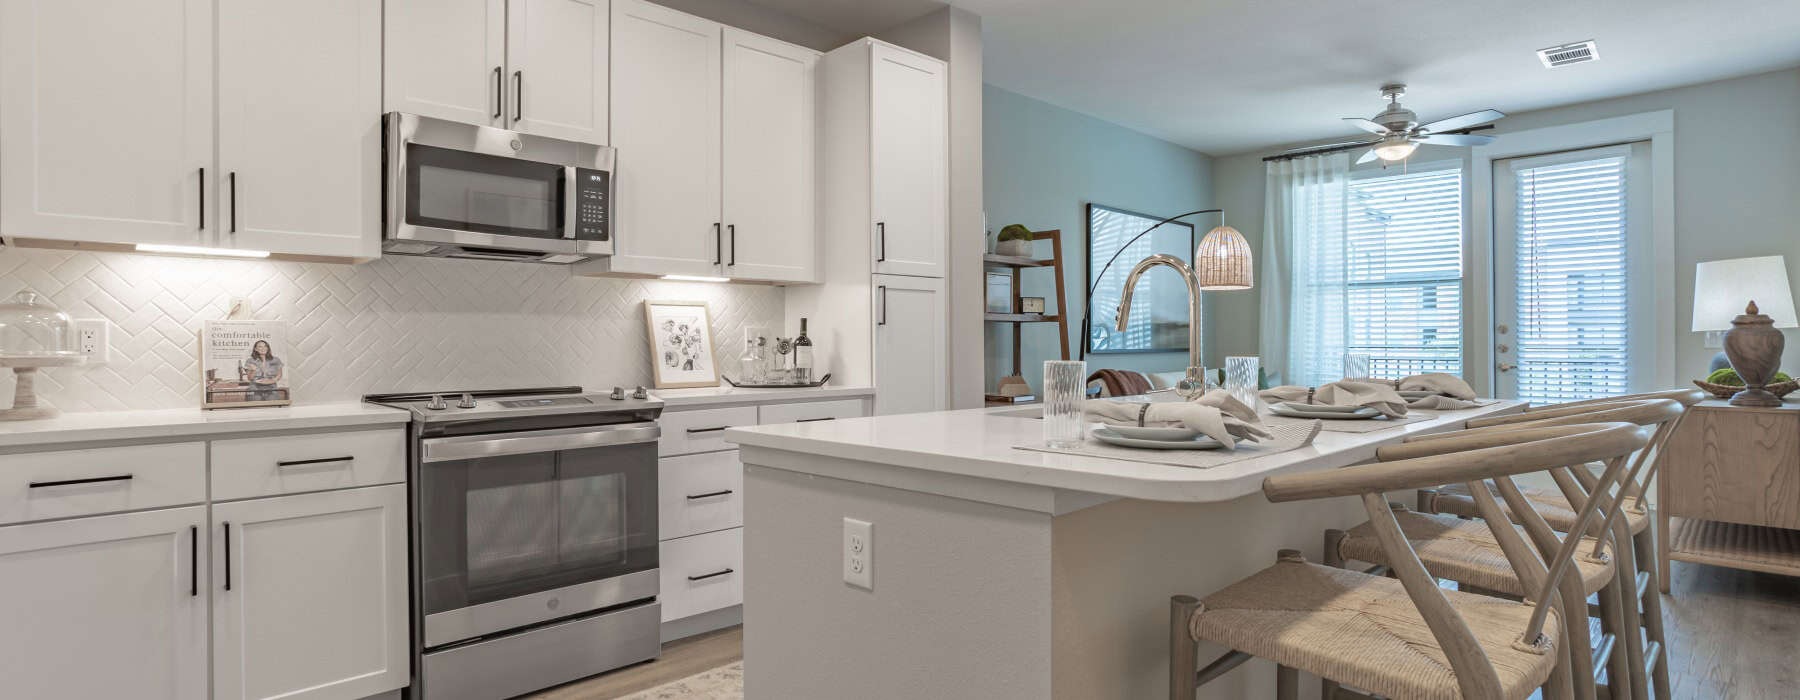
1215, 415
1444, 384
1380, 397
1441, 403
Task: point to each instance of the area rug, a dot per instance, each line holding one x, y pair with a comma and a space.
722, 683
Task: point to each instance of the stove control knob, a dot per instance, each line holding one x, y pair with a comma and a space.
640, 393
618, 393
437, 403
468, 401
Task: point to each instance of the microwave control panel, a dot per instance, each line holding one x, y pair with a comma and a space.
593, 204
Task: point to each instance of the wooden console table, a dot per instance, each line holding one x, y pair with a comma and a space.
1729, 490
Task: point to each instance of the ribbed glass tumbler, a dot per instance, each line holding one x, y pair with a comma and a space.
1241, 376
1065, 387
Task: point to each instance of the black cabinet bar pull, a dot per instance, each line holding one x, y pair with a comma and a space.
881, 318
194, 561
881, 241
518, 96
815, 420
718, 245
304, 462
732, 228
691, 431
203, 199
228, 556
709, 494
714, 574
232, 176
499, 92
72, 482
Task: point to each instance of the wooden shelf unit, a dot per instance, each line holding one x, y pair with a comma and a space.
1728, 493
1017, 318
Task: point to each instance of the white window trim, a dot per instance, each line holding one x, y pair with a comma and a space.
1478, 309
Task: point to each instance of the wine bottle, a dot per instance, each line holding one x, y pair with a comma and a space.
803, 356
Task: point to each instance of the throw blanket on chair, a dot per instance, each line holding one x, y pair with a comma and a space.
1121, 382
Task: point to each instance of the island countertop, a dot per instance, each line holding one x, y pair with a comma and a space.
980, 443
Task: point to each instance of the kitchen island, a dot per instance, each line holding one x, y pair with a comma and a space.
1003, 573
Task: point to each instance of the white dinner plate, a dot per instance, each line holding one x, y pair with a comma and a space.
1359, 414
1105, 434
1134, 432
1415, 394
1320, 408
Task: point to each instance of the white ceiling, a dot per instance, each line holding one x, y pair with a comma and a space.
1227, 77
855, 17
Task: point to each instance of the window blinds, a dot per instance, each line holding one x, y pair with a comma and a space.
1404, 266
1572, 280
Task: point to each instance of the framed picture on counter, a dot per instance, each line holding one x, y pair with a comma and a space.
245, 364
681, 344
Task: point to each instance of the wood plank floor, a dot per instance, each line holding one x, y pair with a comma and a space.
1734, 634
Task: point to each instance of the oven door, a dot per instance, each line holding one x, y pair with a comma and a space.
521, 528
482, 187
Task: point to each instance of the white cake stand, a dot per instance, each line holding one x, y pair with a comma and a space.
25, 368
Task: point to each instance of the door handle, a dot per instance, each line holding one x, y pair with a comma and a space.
815, 420
194, 561
714, 574
227, 555
732, 229
72, 482
232, 178
280, 464
881, 318
203, 199
718, 245
709, 494
692, 431
881, 241
499, 92
518, 96
1505, 366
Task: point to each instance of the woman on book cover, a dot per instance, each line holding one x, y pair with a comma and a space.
263, 370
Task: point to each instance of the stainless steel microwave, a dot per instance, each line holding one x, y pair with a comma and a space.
466, 191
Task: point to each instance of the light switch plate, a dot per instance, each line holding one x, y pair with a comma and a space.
859, 553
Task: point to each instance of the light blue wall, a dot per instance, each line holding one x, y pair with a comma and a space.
1042, 165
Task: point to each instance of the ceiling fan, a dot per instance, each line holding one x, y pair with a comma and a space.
1400, 131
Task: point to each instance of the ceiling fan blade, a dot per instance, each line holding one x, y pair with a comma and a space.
1367, 125
1464, 121
1367, 157
1328, 146
1456, 139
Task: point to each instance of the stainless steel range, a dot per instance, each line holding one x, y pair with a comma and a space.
534, 537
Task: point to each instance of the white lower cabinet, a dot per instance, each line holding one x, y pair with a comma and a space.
110, 606
309, 595
909, 344
702, 573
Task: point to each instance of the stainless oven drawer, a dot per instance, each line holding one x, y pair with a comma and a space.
501, 615
536, 659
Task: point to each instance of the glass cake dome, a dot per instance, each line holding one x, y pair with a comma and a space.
32, 327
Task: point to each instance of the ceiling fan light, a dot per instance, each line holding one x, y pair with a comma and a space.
1395, 149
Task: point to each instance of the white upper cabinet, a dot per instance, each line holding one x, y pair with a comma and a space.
300, 126
665, 123
447, 59
111, 606
556, 59
310, 596
107, 123
908, 154
768, 158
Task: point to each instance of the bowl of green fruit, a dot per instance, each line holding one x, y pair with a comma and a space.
1725, 382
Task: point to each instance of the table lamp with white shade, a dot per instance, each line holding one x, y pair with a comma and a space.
1759, 286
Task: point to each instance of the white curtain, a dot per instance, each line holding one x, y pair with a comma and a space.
1303, 269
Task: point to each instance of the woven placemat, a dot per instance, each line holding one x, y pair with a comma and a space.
1368, 425
1287, 437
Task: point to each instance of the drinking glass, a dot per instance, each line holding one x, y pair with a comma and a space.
1065, 387
1356, 366
1241, 378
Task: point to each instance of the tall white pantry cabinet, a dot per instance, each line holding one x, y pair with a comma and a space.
884, 191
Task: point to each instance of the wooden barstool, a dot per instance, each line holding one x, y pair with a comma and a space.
1406, 638
1464, 551
1648, 665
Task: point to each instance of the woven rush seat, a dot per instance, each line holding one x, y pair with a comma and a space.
1455, 500
1364, 631
1464, 551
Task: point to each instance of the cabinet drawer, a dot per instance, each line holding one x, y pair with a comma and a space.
688, 432
297, 463
702, 573
699, 493
812, 411
43, 485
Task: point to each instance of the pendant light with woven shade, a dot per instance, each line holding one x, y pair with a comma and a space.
1222, 261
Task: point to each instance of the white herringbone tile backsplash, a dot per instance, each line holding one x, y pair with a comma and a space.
396, 324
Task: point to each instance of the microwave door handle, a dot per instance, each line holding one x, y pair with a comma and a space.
571, 205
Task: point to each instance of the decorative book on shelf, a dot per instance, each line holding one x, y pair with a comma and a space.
1009, 267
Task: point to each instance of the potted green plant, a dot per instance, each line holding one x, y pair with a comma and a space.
1014, 240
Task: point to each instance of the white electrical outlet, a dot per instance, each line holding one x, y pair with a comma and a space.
859, 553
92, 338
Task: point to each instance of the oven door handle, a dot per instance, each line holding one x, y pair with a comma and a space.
477, 446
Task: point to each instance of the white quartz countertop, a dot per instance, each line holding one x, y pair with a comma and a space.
979, 443
193, 422
727, 395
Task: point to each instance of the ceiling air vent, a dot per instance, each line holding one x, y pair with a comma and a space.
1579, 52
